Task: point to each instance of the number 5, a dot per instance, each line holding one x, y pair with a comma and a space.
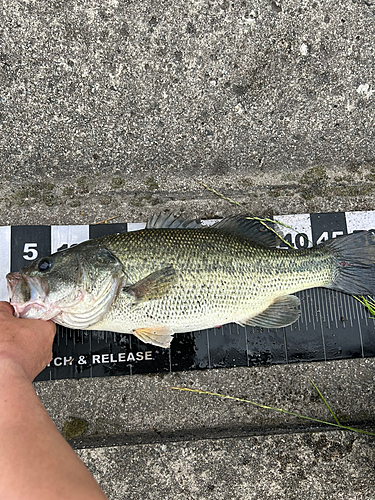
29, 251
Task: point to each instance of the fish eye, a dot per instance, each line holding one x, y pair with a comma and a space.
45, 264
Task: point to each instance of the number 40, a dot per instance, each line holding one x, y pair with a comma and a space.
300, 240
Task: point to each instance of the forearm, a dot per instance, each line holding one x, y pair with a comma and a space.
35, 460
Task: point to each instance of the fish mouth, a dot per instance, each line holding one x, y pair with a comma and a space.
32, 309
28, 295
12, 279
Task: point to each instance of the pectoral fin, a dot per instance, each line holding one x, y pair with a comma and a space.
282, 312
160, 336
153, 286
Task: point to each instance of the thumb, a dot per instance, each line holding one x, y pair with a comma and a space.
6, 308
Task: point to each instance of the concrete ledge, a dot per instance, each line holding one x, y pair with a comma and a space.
317, 466
143, 409
116, 108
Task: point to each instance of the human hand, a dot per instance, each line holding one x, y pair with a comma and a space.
26, 343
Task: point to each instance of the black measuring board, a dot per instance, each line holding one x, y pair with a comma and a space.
332, 325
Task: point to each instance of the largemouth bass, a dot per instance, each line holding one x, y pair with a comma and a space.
177, 276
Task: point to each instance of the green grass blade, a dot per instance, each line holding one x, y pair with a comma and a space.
325, 402
259, 219
368, 303
220, 195
338, 425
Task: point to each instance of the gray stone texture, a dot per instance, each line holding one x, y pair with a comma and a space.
314, 466
119, 108
142, 408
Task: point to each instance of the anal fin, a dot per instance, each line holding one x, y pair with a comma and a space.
282, 312
161, 336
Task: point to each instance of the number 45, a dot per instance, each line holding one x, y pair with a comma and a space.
29, 251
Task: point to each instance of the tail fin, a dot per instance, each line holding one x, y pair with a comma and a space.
355, 256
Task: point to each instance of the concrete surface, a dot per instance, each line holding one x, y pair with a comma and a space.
118, 108
145, 440
138, 409
314, 466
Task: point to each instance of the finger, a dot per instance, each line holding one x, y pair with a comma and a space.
40, 326
6, 308
51, 326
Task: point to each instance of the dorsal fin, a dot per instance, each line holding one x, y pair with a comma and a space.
169, 221
240, 225
248, 228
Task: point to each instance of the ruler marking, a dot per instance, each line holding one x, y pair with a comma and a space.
313, 309
302, 317
244, 333
5, 261
297, 324
325, 304
208, 350
365, 314
247, 346
334, 308
359, 329
285, 346
308, 309
348, 308
342, 309
318, 313
323, 338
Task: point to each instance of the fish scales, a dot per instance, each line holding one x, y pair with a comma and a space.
220, 278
